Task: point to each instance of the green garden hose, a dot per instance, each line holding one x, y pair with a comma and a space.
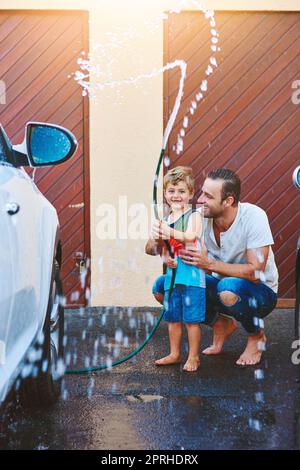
88, 370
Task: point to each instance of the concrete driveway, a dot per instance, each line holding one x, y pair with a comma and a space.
137, 405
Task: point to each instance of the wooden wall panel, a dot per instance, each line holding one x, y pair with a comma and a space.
38, 54
247, 121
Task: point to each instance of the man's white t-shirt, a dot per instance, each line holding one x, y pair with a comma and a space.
250, 230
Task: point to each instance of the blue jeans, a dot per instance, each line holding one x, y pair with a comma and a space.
255, 301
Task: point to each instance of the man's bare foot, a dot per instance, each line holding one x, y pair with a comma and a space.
254, 349
168, 360
223, 328
192, 364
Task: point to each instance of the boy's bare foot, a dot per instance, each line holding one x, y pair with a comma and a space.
192, 364
223, 328
254, 349
168, 360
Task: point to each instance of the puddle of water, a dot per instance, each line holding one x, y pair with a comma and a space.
143, 398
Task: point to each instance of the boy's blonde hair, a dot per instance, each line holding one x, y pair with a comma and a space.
178, 174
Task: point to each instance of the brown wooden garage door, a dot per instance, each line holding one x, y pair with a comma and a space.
38, 51
247, 121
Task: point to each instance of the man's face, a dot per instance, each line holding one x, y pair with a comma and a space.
210, 198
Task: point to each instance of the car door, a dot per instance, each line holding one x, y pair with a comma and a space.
23, 210
6, 280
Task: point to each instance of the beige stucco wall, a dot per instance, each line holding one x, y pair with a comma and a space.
126, 132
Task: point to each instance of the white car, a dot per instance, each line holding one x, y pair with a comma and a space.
31, 314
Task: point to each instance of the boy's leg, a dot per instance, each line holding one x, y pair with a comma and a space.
193, 312
175, 335
194, 338
173, 317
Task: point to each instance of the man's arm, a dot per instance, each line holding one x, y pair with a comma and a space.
256, 263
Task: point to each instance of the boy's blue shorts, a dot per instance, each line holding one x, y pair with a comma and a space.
187, 304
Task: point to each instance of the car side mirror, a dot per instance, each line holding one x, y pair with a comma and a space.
45, 145
296, 177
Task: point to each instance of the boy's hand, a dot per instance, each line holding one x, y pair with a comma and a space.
165, 230
171, 262
160, 230
155, 230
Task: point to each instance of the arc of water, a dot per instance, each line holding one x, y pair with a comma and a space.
80, 77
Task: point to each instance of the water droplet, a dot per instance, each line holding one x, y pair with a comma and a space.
74, 296
255, 424
119, 335
167, 161
60, 367
203, 86
259, 374
209, 70
253, 303
259, 397
261, 346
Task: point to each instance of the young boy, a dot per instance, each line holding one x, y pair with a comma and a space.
187, 302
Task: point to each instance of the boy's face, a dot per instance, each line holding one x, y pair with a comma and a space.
178, 195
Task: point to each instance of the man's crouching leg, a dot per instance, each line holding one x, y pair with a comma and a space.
241, 303
224, 326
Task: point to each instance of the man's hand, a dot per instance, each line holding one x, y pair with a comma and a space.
195, 257
253, 270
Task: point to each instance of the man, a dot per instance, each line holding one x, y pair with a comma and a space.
242, 277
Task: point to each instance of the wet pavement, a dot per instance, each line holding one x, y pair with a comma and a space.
137, 405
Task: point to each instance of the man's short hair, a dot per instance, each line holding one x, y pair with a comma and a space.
231, 183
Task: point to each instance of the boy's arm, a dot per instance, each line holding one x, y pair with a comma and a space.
193, 231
